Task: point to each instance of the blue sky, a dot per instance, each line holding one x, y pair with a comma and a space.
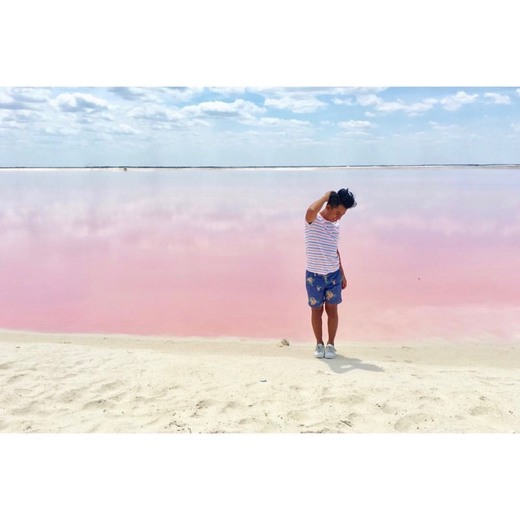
74, 126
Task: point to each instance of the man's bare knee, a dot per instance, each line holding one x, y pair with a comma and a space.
317, 310
331, 308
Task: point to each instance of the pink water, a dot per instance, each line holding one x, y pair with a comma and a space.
428, 252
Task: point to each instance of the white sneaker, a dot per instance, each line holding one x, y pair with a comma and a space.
320, 350
330, 352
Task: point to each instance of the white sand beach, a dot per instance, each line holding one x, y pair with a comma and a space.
115, 383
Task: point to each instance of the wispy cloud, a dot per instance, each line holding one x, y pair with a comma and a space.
155, 113
456, 101
181, 94
162, 118
369, 100
413, 108
498, 99
7, 102
383, 106
78, 102
276, 122
356, 124
29, 95
345, 101
133, 93
442, 127
299, 103
238, 109
125, 129
451, 103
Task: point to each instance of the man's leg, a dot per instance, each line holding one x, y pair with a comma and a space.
332, 321
317, 327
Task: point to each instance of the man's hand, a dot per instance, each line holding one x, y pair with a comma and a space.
342, 272
315, 207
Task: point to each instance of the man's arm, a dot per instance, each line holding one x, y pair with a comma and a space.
343, 277
314, 208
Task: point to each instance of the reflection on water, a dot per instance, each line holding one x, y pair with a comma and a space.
428, 252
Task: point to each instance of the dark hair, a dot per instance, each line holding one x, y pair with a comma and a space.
342, 198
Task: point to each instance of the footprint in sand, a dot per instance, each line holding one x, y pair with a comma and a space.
350, 400
248, 421
412, 422
16, 378
96, 404
388, 408
231, 405
298, 415
483, 411
205, 403
24, 410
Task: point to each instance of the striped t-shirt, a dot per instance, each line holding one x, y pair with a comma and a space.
321, 246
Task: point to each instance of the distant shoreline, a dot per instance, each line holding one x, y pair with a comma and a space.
307, 167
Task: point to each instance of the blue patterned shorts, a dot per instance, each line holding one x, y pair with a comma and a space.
323, 288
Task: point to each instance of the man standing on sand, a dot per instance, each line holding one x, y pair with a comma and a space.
324, 277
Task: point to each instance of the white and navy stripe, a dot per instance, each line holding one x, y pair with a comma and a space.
321, 246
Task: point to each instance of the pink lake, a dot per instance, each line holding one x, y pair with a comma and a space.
428, 252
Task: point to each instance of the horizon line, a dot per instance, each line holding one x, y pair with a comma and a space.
126, 167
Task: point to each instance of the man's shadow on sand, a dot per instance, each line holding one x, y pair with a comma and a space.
341, 364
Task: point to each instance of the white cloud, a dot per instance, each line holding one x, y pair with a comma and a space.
79, 102
8, 103
238, 109
517, 92
498, 99
390, 106
444, 131
413, 108
438, 126
456, 101
299, 103
515, 127
352, 91
62, 131
451, 103
161, 118
155, 113
394, 106
345, 101
228, 91
125, 129
181, 94
22, 116
422, 106
277, 122
369, 99
356, 124
136, 94
31, 95
354, 128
